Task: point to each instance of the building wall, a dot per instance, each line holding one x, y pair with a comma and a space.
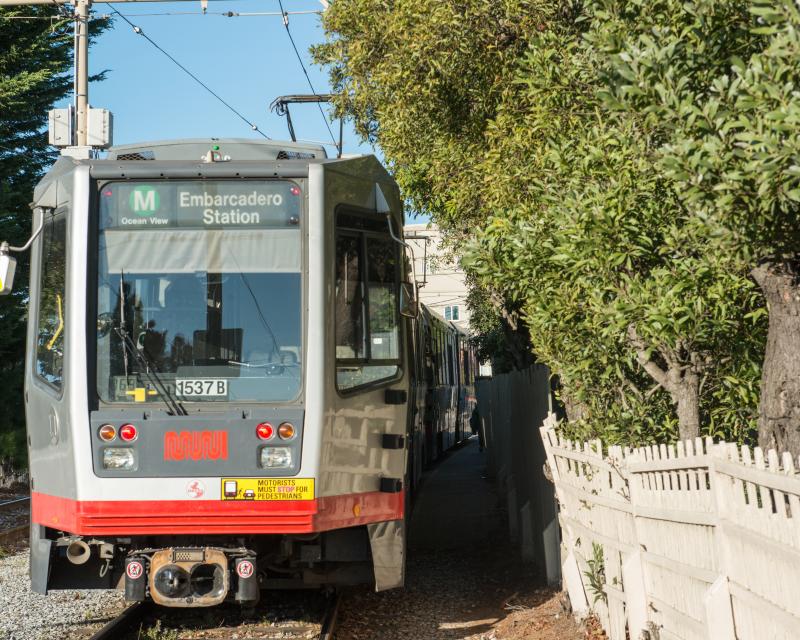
444, 282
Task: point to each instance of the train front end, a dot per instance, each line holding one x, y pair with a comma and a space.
184, 413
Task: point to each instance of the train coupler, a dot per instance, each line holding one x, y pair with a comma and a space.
189, 577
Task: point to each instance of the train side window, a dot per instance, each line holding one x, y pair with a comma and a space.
350, 310
382, 288
52, 310
366, 311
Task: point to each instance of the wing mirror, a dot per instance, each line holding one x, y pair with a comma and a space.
8, 266
408, 301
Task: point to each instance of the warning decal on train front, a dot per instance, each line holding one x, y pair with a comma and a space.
267, 489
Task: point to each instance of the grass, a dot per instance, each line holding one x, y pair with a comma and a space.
157, 632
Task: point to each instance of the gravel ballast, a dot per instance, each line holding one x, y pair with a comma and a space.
25, 615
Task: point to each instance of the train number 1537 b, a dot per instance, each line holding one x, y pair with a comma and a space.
201, 387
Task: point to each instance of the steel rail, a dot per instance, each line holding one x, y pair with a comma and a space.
10, 504
117, 627
11, 536
328, 630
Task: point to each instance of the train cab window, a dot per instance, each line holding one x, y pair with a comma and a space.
366, 314
199, 283
52, 287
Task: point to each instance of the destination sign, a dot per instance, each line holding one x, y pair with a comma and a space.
200, 204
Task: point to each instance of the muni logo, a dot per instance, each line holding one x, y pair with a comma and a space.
144, 200
196, 445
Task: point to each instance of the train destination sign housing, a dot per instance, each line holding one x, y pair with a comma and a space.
206, 204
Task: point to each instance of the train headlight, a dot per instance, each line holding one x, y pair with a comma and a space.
276, 457
118, 458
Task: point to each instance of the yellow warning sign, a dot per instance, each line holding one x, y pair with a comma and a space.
267, 488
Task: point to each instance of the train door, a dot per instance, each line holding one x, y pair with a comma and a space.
429, 368
45, 396
451, 386
47, 385
416, 427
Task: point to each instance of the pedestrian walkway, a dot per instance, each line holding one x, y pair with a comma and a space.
456, 508
464, 580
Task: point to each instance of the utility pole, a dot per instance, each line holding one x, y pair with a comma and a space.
82, 71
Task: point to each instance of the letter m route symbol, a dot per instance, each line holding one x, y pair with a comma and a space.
144, 200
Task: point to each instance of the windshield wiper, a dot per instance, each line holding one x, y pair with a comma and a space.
143, 359
149, 370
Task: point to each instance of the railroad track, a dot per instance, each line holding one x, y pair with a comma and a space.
13, 534
331, 618
124, 622
14, 503
134, 617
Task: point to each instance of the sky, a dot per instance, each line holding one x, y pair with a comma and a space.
248, 61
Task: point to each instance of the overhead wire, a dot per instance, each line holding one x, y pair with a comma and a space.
62, 9
226, 14
305, 72
27, 17
138, 30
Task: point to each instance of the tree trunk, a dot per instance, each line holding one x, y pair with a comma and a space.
779, 410
680, 378
519, 344
686, 396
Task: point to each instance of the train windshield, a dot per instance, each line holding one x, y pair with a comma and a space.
199, 291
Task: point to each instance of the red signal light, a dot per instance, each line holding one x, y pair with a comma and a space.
265, 431
295, 190
128, 433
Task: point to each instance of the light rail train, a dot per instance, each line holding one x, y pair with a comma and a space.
229, 384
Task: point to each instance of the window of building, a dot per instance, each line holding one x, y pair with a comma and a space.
451, 312
367, 322
52, 311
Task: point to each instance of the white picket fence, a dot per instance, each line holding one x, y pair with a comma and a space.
700, 540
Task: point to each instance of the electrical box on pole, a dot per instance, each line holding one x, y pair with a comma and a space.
61, 127
99, 128
100, 133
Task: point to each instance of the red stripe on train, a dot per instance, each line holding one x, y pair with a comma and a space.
147, 517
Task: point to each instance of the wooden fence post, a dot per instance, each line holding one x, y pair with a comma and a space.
719, 610
635, 595
719, 613
571, 574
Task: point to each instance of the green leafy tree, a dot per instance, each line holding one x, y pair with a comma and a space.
522, 129
35, 65
734, 159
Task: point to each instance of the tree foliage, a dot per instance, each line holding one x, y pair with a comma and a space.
35, 65
613, 169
